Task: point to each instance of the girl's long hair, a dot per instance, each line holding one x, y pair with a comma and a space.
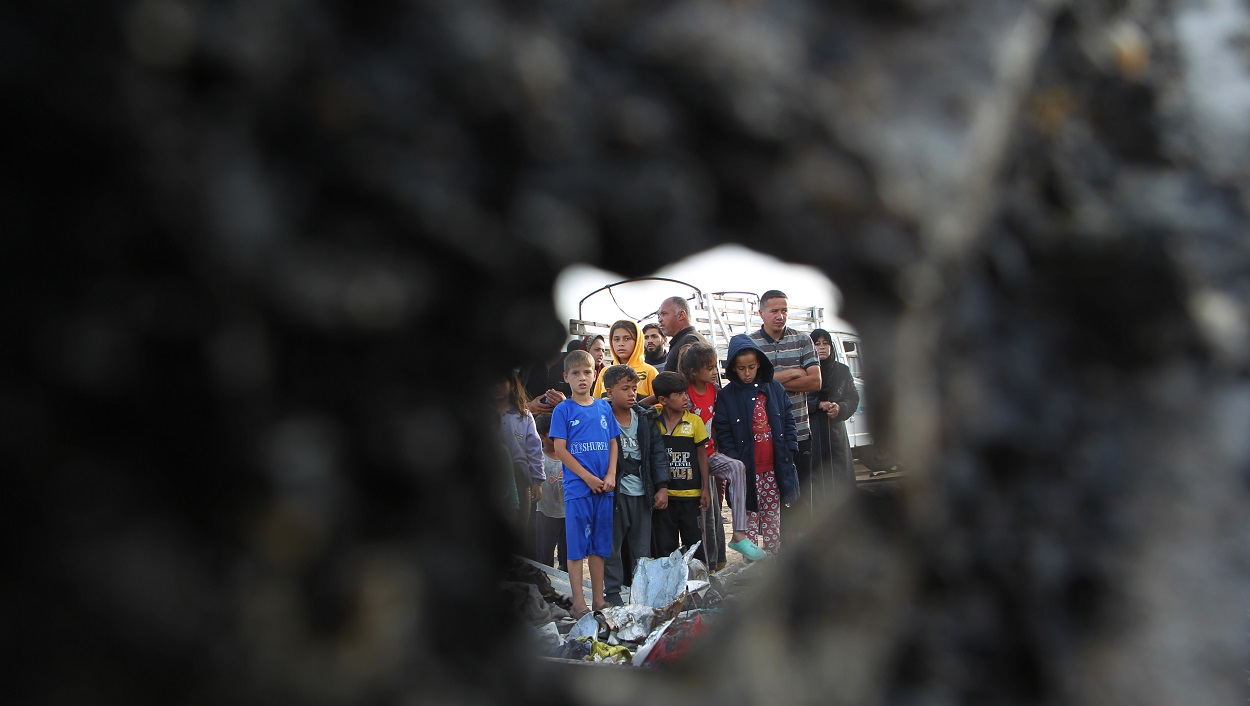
516, 392
694, 356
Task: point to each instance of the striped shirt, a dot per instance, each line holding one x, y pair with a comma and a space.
792, 350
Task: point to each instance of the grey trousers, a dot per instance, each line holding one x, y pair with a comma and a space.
731, 469
631, 522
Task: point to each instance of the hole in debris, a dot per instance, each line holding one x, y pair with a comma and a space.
716, 295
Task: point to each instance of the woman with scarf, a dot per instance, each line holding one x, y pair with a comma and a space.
828, 410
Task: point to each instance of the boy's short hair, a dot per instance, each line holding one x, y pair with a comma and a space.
542, 423
613, 375
696, 356
771, 294
652, 325
668, 383
578, 359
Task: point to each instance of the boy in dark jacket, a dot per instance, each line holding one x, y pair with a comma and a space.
754, 424
642, 478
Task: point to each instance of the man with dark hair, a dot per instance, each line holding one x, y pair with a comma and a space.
653, 339
674, 318
797, 368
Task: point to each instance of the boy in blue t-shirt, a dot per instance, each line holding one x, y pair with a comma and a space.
585, 433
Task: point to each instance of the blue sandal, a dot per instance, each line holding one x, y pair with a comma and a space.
747, 548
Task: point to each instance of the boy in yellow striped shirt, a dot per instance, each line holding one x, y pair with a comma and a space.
688, 491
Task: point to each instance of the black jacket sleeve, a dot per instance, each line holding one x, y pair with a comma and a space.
659, 454
844, 393
828, 381
722, 430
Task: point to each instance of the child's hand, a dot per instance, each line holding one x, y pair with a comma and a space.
609, 482
661, 499
595, 484
705, 499
537, 492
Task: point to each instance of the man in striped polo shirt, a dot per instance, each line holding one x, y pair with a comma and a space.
797, 367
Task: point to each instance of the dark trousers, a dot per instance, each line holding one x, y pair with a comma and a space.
821, 469
525, 513
712, 518
631, 530
549, 538
798, 517
677, 526
832, 472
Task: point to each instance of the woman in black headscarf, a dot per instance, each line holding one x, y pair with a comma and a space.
828, 409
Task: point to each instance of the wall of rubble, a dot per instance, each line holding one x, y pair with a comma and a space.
249, 247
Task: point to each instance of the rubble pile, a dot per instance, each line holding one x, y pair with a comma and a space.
669, 605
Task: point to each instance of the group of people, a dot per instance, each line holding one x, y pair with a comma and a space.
621, 459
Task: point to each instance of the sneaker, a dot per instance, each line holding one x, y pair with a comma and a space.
747, 548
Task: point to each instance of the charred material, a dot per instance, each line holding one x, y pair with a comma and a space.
245, 242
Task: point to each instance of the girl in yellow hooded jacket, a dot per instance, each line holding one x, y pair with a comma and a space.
625, 342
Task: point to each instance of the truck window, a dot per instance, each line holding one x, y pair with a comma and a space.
851, 351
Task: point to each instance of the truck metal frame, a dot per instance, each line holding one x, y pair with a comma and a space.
719, 316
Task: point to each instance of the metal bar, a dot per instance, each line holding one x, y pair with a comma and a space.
630, 280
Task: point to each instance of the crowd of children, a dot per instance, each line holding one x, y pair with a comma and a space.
617, 478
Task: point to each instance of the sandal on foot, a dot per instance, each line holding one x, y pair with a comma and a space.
747, 548
578, 614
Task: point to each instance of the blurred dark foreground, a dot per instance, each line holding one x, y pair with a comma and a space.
260, 260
